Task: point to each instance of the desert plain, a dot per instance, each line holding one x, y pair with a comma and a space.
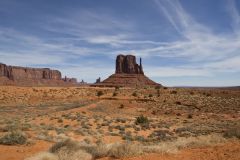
150, 123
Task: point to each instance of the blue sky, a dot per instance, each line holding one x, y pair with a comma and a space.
181, 42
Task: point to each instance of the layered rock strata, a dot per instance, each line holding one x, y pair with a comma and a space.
25, 76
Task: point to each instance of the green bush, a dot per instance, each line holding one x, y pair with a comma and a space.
142, 120
13, 138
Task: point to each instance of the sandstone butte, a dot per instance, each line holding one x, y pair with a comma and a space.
25, 76
127, 74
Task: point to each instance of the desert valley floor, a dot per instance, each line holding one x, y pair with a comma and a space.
150, 123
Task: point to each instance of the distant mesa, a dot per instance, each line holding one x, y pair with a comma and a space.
127, 74
25, 76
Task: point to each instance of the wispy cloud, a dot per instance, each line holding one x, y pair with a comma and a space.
80, 33
235, 15
176, 72
198, 41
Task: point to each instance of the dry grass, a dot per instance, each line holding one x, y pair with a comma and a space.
43, 156
180, 143
124, 150
72, 150
13, 138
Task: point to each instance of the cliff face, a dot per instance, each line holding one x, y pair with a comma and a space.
127, 64
18, 73
31, 76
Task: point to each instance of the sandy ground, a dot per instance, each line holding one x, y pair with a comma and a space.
77, 113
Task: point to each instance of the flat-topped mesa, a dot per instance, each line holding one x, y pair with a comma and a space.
127, 64
25, 76
18, 73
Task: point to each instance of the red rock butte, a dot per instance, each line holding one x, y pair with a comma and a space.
25, 76
127, 74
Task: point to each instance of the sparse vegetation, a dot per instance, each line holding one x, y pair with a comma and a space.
114, 94
233, 132
178, 102
160, 124
100, 93
13, 138
190, 116
71, 150
141, 120
121, 106
173, 92
134, 94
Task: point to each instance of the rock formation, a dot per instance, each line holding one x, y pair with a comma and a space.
127, 64
98, 80
127, 74
14, 75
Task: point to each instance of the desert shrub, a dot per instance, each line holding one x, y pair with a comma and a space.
178, 102
158, 93
208, 94
141, 120
71, 145
191, 92
114, 94
124, 150
173, 92
139, 138
121, 128
233, 132
165, 87
150, 95
178, 114
66, 154
60, 120
45, 136
134, 94
87, 140
117, 88
128, 137
157, 87
13, 138
98, 151
12, 126
121, 106
99, 93
190, 116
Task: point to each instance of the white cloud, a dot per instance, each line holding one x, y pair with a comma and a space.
231, 7
227, 65
199, 42
175, 72
89, 33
